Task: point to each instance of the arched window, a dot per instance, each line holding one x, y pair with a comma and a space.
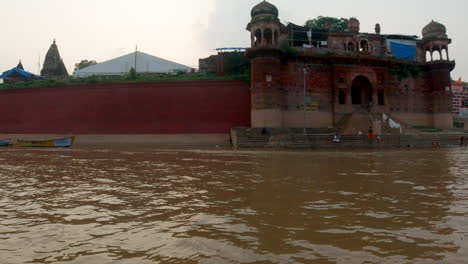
428, 56
350, 46
436, 55
268, 35
444, 53
363, 46
361, 91
258, 38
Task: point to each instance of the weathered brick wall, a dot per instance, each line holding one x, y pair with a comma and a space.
192, 107
458, 107
318, 83
208, 65
409, 96
266, 94
459, 95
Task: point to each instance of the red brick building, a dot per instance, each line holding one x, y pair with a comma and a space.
460, 100
301, 77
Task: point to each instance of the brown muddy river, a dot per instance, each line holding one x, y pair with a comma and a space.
153, 206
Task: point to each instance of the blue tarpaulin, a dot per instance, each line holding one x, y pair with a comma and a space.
19, 71
403, 51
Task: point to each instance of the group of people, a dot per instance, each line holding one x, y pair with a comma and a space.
436, 144
370, 135
462, 142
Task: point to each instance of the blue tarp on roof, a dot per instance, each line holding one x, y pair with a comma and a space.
23, 73
403, 51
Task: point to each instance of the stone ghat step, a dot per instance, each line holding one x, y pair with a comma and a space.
349, 141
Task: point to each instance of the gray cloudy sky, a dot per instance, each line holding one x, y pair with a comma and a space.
185, 30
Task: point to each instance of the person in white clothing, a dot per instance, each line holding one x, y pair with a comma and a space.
336, 139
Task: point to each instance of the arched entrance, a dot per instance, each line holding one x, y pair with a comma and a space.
361, 91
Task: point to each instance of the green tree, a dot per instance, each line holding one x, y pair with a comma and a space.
132, 74
328, 23
237, 63
84, 63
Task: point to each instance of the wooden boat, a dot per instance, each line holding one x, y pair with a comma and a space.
53, 143
5, 142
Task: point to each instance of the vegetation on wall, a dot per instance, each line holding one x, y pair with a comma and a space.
328, 23
237, 64
405, 70
177, 76
288, 51
427, 129
285, 48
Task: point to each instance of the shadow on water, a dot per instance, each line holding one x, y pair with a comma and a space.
147, 206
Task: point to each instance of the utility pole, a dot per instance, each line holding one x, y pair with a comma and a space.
309, 35
39, 65
136, 50
304, 102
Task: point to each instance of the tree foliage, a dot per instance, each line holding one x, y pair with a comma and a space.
83, 64
132, 74
328, 23
237, 63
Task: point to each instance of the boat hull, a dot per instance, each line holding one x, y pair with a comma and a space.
5, 142
54, 143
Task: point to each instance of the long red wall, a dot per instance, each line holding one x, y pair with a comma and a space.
191, 107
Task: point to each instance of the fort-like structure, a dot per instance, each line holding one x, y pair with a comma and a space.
322, 79
304, 78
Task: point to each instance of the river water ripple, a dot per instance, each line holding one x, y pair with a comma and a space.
154, 206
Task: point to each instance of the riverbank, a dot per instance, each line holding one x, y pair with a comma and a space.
186, 140
257, 141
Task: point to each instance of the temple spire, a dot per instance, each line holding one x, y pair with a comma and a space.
53, 63
20, 66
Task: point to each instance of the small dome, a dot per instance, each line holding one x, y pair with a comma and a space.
264, 8
434, 30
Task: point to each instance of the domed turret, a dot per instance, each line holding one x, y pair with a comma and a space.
434, 30
264, 9
435, 43
265, 26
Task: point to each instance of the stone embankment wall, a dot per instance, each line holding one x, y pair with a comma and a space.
154, 108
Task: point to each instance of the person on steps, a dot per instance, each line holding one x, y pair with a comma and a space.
371, 133
336, 139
